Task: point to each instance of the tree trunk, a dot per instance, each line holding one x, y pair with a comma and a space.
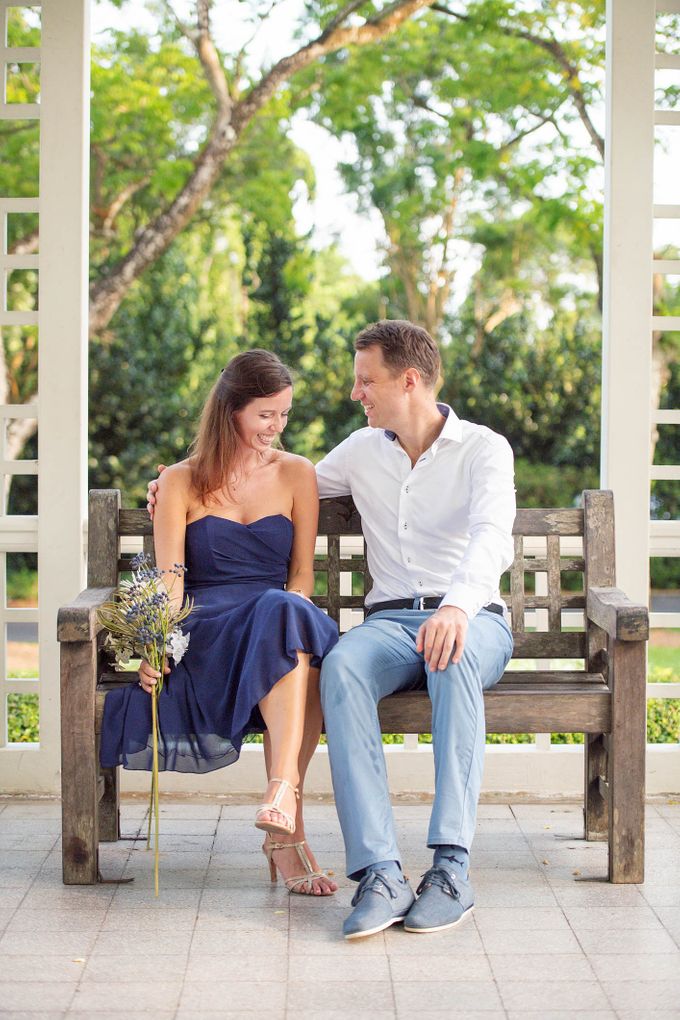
231, 119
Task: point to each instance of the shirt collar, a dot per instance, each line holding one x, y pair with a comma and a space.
453, 427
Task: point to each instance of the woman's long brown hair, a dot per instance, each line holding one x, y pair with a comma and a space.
214, 452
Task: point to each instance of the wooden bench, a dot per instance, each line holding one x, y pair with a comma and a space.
605, 698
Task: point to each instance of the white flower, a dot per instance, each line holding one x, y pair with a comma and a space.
177, 644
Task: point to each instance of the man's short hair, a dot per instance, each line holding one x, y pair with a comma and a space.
404, 345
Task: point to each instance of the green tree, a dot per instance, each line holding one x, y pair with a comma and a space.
463, 123
307, 307
238, 96
141, 409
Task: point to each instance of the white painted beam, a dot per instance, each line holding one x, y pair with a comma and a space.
11, 262
667, 61
18, 318
665, 473
627, 312
669, 117
508, 769
19, 54
64, 239
671, 690
659, 621
666, 323
20, 111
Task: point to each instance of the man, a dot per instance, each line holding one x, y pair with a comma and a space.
436, 498
437, 503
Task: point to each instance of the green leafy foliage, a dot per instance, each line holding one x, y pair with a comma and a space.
23, 719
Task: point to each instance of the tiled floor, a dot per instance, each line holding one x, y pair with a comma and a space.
548, 937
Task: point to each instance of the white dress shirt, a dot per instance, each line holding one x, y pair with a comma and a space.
442, 527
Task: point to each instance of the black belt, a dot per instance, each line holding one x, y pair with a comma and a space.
428, 602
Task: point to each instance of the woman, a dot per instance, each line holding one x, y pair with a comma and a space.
242, 516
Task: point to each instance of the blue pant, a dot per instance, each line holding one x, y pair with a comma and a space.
378, 658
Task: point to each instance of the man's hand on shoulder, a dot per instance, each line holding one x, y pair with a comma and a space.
441, 639
151, 491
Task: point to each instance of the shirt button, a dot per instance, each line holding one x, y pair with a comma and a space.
406, 489
405, 525
420, 584
408, 559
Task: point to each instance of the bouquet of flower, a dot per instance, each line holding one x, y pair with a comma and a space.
143, 621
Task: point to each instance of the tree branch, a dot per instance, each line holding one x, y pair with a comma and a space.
377, 28
230, 120
112, 210
542, 121
340, 18
187, 32
570, 75
556, 50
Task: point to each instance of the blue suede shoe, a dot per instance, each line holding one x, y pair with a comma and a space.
444, 900
379, 902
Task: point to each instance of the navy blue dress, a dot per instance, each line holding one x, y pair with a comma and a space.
245, 634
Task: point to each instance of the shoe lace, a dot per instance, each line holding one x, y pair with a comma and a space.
377, 882
442, 877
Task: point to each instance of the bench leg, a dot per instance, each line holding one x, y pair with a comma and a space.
109, 807
627, 751
596, 820
79, 790
109, 803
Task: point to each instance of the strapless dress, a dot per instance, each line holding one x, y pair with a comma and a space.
245, 635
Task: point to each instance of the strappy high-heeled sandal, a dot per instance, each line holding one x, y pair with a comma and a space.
270, 846
287, 827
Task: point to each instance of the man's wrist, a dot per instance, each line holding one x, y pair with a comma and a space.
458, 609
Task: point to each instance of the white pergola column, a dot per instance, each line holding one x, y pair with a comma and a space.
62, 205
64, 252
627, 312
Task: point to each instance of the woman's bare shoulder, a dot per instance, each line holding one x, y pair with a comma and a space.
177, 478
294, 466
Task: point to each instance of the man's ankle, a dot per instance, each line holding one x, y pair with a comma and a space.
455, 858
391, 868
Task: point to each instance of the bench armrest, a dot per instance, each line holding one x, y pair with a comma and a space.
612, 610
78, 621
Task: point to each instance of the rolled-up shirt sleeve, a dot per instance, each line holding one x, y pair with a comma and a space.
492, 510
332, 472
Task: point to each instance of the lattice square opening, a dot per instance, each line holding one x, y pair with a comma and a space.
21, 290
23, 719
21, 651
23, 25
21, 228
22, 83
21, 580
20, 494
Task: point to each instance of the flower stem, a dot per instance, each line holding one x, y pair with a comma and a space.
148, 831
154, 782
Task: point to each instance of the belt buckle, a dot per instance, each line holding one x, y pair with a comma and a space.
421, 603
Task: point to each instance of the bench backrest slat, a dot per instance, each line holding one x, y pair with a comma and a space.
536, 599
